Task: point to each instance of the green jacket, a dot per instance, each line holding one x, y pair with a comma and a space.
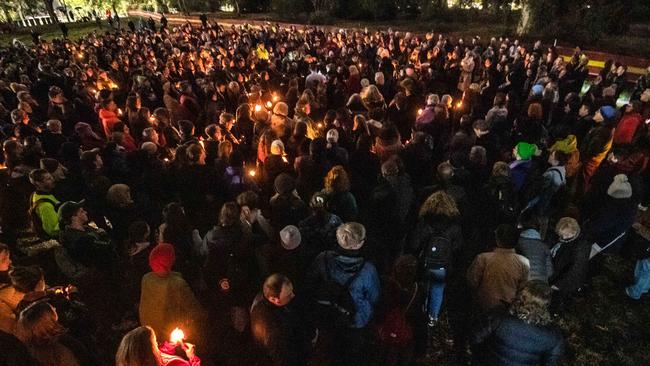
46, 211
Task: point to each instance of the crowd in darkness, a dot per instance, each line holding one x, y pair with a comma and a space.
300, 196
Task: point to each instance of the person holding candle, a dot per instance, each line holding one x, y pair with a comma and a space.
139, 347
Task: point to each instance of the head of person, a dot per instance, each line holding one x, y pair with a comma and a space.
38, 325
73, 214
278, 290
337, 180
139, 232
290, 237
139, 347
229, 214
506, 236
557, 158
531, 303
620, 188
439, 204
42, 180
351, 236
524, 151
284, 184
606, 115
27, 279
119, 195
186, 128
5, 258
54, 126
195, 154
162, 259
53, 167
567, 229
91, 160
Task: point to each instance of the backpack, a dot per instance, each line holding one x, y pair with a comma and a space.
337, 308
505, 201
437, 252
36, 222
394, 329
533, 185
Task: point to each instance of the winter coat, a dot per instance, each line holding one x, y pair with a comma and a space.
628, 128
505, 340
364, 290
496, 276
167, 302
570, 265
436, 225
612, 217
538, 254
319, 233
519, 170
280, 332
9, 300
343, 205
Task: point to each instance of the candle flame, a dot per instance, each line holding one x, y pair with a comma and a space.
269, 104
275, 98
320, 125
119, 111
252, 173
177, 336
419, 111
258, 107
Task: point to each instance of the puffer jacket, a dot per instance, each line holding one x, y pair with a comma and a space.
505, 340
532, 247
364, 290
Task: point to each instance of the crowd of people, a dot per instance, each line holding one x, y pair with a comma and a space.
294, 196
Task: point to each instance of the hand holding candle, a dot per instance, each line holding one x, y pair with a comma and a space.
177, 336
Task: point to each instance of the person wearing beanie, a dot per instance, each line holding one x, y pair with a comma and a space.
166, 300
287, 208
569, 147
276, 163
611, 214
346, 266
597, 144
519, 169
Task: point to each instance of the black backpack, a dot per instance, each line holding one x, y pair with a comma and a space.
437, 252
337, 308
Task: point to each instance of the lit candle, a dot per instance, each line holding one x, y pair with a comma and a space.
460, 104
252, 172
269, 104
419, 111
119, 111
275, 98
80, 55
177, 336
258, 107
320, 125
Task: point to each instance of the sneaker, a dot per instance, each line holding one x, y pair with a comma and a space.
432, 322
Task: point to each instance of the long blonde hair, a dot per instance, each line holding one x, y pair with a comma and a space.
138, 348
337, 180
439, 203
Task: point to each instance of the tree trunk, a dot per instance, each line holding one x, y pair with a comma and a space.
237, 8
162, 6
525, 23
65, 7
49, 6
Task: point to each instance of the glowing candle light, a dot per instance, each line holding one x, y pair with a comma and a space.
119, 111
252, 173
460, 104
275, 98
258, 107
419, 111
177, 336
269, 104
320, 125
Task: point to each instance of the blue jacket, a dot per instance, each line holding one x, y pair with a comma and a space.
505, 340
364, 289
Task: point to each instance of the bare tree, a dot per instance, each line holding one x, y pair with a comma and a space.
49, 6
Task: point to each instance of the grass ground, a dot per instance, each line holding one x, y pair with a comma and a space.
602, 327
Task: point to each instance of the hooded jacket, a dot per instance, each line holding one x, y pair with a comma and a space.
364, 289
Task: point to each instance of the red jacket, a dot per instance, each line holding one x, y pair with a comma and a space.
109, 119
166, 351
627, 128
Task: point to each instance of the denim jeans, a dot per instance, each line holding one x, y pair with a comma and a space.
436, 279
641, 283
